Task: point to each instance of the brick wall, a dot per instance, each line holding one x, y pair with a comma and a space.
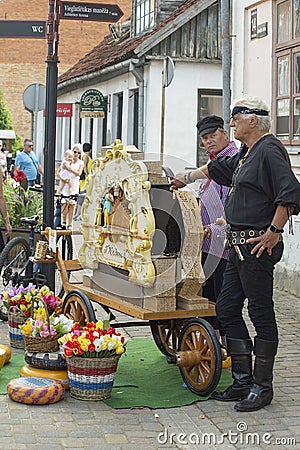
22, 61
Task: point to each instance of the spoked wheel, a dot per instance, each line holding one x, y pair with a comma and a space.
166, 334
77, 306
65, 246
202, 370
14, 266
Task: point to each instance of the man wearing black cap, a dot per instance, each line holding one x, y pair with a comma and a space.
264, 194
212, 196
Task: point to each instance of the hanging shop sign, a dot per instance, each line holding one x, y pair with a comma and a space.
92, 104
63, 110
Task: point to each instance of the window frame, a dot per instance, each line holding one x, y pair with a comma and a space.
289, 48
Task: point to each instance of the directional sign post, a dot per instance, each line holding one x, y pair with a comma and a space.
90, 11
62, 10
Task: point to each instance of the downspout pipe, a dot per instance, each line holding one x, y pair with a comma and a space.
138, 74
225, 26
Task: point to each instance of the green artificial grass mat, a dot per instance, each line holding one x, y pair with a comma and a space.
145, 379
11, 370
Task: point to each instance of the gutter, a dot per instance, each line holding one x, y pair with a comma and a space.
138, 73
90, 78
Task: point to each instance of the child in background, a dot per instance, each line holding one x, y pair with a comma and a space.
64, 174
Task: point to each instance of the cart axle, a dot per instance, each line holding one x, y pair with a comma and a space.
187, 358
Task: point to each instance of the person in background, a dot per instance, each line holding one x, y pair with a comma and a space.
87, 161
212, 197
3, 162
27, 162
264, 194
65, 176
68, 205
5, 216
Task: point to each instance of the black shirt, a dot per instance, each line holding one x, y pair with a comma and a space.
260, 182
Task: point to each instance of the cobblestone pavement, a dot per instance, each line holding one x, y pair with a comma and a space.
74, 424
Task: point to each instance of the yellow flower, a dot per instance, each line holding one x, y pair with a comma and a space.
84, 343
23, 308
104, 346
99, 325
45, 290
119, 349
26, 328
28, 297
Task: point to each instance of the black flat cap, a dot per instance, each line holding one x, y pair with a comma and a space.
209, 124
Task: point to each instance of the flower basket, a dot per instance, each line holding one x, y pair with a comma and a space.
36, 344
15, 318
91, 378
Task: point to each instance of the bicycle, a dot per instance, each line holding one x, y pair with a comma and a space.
17, 265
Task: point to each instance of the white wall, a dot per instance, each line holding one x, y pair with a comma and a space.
251, 59
181, 101
252, 75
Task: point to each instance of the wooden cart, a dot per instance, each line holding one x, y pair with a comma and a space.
127, 243
185, 337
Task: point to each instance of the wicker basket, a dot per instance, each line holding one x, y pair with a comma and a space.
15, 336
36, 344
91, 378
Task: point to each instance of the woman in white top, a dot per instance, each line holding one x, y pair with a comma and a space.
68, 205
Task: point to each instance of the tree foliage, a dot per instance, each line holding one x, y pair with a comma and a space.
6, 124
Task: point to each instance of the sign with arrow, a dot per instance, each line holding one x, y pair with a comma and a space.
90, 11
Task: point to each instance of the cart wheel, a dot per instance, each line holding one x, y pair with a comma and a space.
166, 334
203, 378
77, 306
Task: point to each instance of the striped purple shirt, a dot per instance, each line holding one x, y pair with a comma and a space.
212, 197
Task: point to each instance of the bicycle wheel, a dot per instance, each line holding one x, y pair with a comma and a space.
14, 266
65, 246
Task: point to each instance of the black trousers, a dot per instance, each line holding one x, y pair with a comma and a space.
251, 278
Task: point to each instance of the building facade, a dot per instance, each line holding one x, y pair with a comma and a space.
22, 60
129, 67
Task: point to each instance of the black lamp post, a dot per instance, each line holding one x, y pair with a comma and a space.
50, 125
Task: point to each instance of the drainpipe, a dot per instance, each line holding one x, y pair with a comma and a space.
138, 74
225, 24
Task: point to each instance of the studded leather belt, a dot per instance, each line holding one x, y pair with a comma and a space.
241, 237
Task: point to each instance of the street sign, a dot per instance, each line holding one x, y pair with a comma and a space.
92, 104
168, 71
24, 29
34, 97
90, 11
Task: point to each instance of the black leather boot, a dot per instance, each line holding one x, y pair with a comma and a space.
240, 351
261, 392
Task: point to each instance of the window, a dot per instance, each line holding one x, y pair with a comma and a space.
144, 15
288, 71
209, 102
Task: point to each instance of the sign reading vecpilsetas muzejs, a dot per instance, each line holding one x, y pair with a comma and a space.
92, 104
22, 28
90, 11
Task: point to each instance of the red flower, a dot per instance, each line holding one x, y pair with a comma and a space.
19, 176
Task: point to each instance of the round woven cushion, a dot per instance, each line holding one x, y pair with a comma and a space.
8, 352
50, 361
56, 375
35, 391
